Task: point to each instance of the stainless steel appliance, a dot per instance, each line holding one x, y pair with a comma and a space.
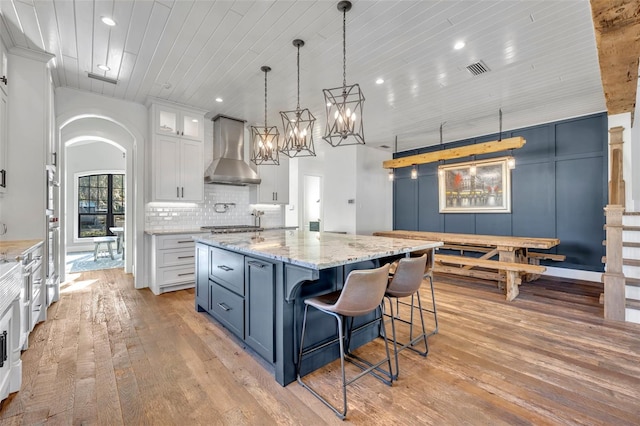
230, 229
32, 294
228, 166
53, 247
50, 272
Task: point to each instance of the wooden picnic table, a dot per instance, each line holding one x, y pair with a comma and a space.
514, 263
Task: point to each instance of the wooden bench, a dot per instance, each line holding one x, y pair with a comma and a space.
98, 241
512, 271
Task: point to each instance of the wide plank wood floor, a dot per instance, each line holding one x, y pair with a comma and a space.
110, 354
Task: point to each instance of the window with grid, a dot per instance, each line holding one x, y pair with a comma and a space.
100, 204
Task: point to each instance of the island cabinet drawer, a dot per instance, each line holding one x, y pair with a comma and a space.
175, 242
185, 256
227, 308
227, 268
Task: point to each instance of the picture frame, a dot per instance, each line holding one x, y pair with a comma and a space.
475, 186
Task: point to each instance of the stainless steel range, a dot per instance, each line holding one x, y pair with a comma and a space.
229, 229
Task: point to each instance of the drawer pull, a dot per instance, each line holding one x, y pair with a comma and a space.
225, 268
3, 348
256, 264
186, 257
185, 274
224, 307
185, 241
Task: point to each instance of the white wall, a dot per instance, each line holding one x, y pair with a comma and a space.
635, 154
339, 187
374, 197
348, 173
87, 158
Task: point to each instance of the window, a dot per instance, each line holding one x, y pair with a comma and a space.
100, 204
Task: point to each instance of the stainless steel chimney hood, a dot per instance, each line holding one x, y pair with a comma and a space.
229, 167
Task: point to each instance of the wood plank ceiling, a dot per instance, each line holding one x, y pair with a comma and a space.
541, 55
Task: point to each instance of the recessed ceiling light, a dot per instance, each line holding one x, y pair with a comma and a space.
459, 45
379, 81
195, 120
108, 21
218, 99
103, 67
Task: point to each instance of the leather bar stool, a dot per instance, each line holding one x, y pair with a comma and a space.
428, 274
406, 282
363, 293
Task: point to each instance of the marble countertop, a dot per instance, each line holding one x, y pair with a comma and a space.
315, 250
175, 231
15, 248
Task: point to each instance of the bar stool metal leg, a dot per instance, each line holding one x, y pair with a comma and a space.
340, 413
344, 340
434, 311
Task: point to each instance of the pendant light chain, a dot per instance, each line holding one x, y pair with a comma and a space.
298, 64
344, 48
265, 99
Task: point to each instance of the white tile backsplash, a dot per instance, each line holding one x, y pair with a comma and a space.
178, 216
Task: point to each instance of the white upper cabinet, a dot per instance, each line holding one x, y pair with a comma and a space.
177, 153
274, 185
178, 122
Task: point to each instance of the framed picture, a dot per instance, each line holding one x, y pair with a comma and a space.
475, 187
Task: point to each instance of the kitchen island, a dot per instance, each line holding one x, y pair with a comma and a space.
255, 284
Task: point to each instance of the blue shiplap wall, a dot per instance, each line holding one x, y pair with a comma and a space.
558, 189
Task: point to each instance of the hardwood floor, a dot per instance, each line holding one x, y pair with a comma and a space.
111, 355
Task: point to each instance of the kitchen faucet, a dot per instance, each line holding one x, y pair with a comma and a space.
256, 217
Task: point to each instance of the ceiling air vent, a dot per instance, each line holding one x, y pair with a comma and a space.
102, 78
478, 68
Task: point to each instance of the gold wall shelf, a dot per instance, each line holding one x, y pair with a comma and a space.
460, 152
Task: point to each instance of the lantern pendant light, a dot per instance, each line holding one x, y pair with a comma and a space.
265, 139
344, 104
298, 124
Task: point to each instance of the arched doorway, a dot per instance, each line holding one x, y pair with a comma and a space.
99, 128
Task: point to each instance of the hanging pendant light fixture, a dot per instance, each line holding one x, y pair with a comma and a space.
344, 104
298, 124
265, 139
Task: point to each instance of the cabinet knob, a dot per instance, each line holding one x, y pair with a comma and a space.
4, 79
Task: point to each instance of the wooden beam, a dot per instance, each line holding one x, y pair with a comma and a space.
459, 152
617, 29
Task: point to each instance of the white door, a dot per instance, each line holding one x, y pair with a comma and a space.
312, 203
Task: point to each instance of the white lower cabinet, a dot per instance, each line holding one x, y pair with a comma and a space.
173, 264
10, 363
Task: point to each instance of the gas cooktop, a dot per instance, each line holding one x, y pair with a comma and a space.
228, 229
